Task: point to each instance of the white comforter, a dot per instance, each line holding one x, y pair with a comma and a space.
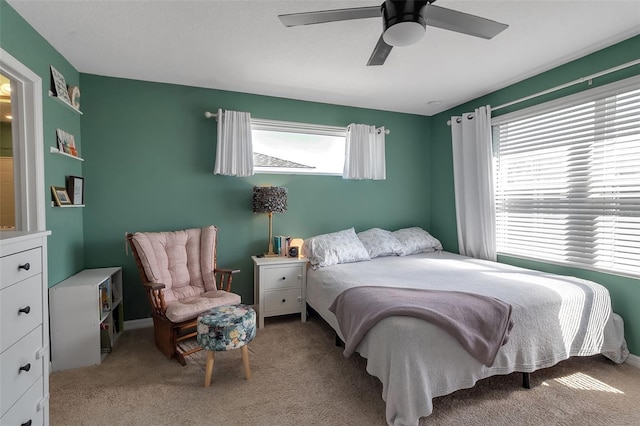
555, 317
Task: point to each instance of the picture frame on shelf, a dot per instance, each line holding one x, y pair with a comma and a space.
66, 142
59, 85
60, 196
75, 189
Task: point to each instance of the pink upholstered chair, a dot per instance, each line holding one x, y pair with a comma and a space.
179, 273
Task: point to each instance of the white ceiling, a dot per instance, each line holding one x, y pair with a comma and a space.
242, 46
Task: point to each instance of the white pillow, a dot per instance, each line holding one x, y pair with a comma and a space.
416, 240
380, 242
331, 249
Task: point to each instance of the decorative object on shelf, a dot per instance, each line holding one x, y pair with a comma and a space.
74, 96
66, 142
59, 85
75, 189
270, 199
60, 196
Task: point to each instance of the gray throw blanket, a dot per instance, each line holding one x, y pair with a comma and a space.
481, 324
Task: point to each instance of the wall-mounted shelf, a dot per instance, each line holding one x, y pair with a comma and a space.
68, 105
55, 150
53, 204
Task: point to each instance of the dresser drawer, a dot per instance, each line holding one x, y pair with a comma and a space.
282, 277
27, 354
19, 266
20, 310
28, 408
287, 301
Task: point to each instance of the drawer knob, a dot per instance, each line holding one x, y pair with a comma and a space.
24, 310
27, 423
284, 300
26, 367
26, 266
284, 278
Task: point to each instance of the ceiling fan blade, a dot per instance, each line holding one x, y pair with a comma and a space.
321, 16
461, 22
380, 53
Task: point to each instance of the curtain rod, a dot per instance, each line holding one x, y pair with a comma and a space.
562, 86
210, 114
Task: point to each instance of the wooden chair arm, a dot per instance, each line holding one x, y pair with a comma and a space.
154, 286
225, 278
156, 297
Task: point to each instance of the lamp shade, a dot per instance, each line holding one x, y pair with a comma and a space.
269, 199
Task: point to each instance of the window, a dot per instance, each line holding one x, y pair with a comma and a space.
298, 148
567, 177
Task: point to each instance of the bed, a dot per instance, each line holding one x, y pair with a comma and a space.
555, 317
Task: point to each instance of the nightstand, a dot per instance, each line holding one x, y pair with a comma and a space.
280, 286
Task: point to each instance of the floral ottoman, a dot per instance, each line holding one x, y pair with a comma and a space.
224, 328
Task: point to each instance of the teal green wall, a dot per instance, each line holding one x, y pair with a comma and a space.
66, 243
150, 153
625, 292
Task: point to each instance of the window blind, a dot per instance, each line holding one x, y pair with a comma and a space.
567, 177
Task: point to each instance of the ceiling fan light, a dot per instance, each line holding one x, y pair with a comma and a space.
403, 33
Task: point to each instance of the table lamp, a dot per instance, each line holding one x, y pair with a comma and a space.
269, 199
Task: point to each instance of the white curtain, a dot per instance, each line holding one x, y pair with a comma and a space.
364, 153
234, 150
473, 182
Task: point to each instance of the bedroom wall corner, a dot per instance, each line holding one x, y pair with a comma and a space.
624, 290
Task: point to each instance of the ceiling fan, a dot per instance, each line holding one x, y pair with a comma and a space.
404, 23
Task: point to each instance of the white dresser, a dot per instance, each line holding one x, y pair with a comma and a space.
24, 329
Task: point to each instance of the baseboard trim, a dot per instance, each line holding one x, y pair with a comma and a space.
138, 323
633, 360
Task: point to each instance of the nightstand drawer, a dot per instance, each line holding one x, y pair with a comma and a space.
282, 277
286, 301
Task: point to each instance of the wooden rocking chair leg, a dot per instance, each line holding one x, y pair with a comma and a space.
180, 358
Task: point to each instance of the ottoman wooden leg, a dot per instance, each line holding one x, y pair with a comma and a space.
245, 361
208, 368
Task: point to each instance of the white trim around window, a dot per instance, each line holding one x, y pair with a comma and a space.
567, 180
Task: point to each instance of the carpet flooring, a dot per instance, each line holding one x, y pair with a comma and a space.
299, 377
